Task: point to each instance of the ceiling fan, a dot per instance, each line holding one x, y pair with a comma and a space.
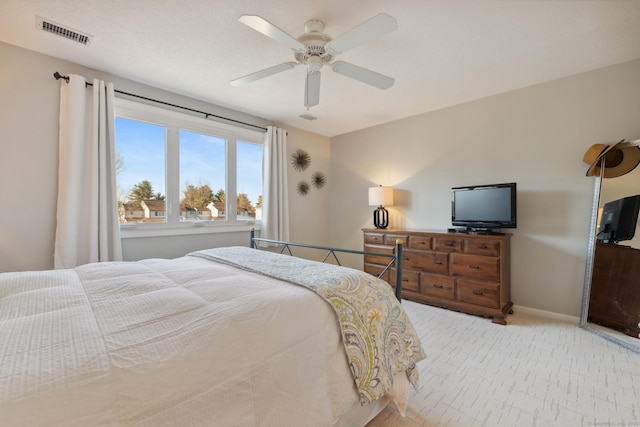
315, 49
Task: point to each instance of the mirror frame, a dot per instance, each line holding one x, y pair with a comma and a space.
588, 275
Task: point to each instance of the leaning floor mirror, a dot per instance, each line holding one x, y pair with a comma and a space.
611, 297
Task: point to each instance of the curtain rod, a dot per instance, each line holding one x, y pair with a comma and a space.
59, 76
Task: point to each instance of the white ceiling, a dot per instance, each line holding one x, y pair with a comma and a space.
443, 53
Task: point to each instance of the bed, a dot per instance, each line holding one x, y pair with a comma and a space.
221, 337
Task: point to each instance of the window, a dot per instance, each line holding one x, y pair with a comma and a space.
202, 176
176, 171
249, 170
140, 170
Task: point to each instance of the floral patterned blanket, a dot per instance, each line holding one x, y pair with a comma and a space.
378, 337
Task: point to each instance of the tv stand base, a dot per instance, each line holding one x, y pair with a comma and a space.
469, 230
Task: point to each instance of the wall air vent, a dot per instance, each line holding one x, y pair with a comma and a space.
57, 29
307, 117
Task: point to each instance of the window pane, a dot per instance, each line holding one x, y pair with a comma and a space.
249, 180
140, 171
202, 177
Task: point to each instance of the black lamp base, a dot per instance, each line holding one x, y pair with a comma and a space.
381, 217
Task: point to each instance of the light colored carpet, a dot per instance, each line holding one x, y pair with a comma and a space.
536, 371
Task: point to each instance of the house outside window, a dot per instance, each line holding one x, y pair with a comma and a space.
175, 171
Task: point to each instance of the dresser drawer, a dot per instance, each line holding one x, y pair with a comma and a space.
376, 238
448, 244
390, 239
433, 262
479, 293
410, 280
420, 242
438, 286
372, 259
375, 270
480, 247
475, 266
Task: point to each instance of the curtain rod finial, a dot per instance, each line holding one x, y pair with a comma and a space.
59, 76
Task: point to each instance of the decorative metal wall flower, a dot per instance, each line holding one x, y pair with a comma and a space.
303, 188
300, 160
318, 180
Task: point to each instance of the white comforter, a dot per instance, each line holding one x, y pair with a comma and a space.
184, 342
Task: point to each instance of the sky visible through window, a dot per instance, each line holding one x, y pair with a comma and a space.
141, 149
249, 172
202, 161
141, 155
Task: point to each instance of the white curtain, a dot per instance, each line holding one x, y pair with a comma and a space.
275, 198
87, 215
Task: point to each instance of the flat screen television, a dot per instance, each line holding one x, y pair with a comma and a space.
619, 220
484, 208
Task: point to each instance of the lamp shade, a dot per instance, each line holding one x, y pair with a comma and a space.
380, 196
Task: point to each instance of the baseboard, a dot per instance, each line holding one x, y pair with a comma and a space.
548, 314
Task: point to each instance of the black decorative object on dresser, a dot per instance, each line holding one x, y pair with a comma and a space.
469, 273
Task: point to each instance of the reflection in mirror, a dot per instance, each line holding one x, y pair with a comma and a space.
611, 299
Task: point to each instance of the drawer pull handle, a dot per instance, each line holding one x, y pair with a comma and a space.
477, 292
474, 267
438, 262
483, 247
405, 280
436, 285
449, 244
374, 238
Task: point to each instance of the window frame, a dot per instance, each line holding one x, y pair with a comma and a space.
174, 122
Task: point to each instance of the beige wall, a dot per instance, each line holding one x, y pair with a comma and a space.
309, 214
28, 159
534, 136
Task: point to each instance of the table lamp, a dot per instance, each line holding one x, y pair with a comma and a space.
380, 196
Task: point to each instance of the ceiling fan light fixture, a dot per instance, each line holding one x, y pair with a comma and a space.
314, 43
315, 63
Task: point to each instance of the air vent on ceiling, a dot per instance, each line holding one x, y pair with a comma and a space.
307, 117
57, 29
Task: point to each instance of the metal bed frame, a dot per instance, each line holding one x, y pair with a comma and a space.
395, 258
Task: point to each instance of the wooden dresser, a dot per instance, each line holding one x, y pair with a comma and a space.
615, 288
463, 272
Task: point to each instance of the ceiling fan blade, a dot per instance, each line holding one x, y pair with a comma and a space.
312, 89
268, 29
362, 74
375, 27
250, 78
